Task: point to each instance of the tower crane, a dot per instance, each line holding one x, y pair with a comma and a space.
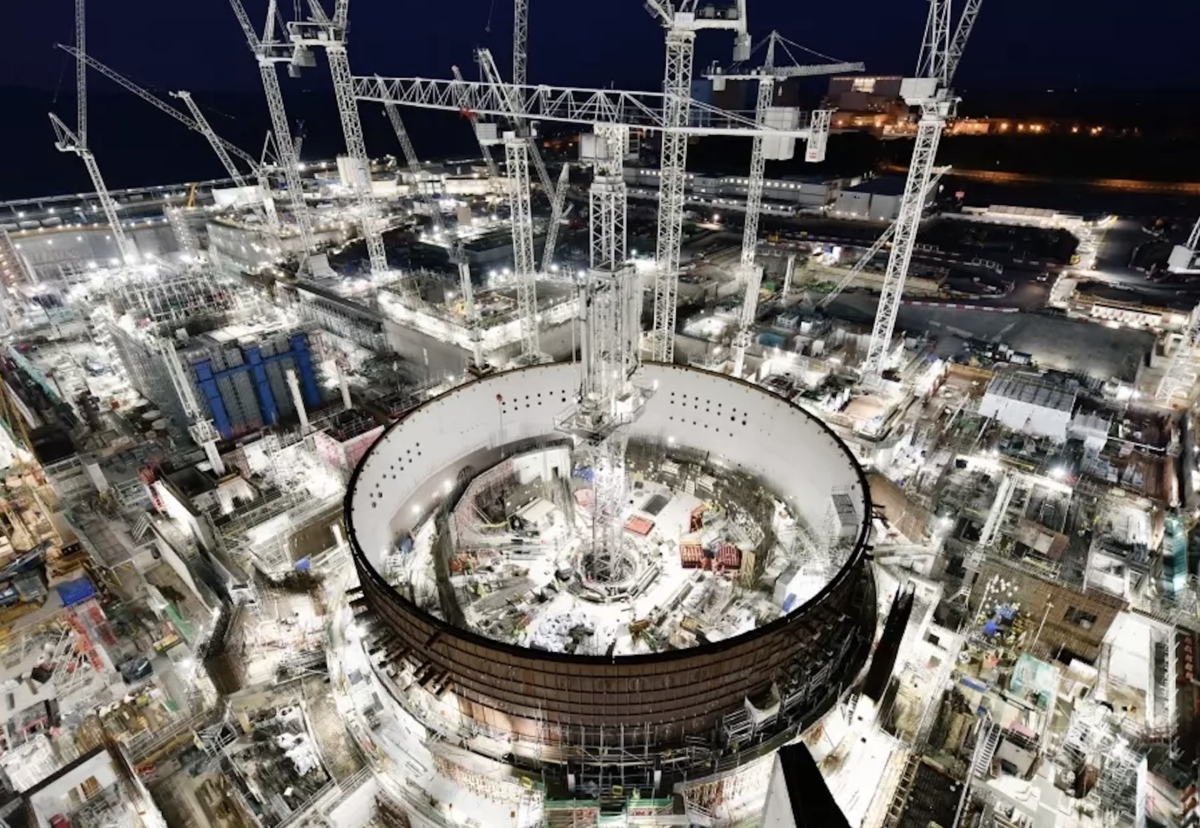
930, 91
516, 153
67, 140
603, 109
478, 365
682, 21
414, 165
330, 33
219, 147
749, 273
520, 41
487, 66
224, 150
480, 137
267, 52
609, 399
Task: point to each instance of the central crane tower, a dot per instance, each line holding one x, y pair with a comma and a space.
609, 400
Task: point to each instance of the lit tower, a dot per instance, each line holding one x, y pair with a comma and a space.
609, 400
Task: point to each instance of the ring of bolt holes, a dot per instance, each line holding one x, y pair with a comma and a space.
504, 410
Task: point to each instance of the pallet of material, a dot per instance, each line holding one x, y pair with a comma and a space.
729, 556
691, 555
639, 526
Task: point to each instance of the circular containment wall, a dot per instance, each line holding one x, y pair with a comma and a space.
559, 701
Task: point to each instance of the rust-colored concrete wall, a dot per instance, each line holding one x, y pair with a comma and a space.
661, 698
1064, 627
909, 517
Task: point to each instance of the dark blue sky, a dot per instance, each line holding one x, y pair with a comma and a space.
198, 44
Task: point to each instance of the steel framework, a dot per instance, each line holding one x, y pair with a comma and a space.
912, 206
516, 152
1182, 370
749, 272
640, 110
520, 41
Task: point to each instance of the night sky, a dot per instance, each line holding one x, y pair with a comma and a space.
198, 44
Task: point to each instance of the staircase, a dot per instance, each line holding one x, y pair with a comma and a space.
989, 736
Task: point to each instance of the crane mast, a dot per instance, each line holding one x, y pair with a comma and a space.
750, 273
681, 23
81, 74
330, 33
512, 100
765, 78
76, 142
478, 364
460, 100
930, 91
677, 86
516, 153
520, 41
267, 52
610, 318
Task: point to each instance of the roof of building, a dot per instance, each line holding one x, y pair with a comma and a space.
1032, 390
892, 185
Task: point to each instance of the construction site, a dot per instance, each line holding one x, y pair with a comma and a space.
390, 492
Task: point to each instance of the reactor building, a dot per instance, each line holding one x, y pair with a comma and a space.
715, 608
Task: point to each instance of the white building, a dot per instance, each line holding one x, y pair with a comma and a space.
781, 196
876, 199
1027, 403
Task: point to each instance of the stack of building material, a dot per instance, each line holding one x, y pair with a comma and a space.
639, 525
728, 556
691, 555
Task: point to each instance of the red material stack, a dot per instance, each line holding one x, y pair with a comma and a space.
691, 555
729, 556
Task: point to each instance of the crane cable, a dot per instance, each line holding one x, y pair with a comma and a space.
491, 11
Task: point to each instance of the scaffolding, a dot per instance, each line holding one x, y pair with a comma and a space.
185, 235
170, 295
352, 321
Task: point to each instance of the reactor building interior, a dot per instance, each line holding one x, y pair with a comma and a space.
692, 551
